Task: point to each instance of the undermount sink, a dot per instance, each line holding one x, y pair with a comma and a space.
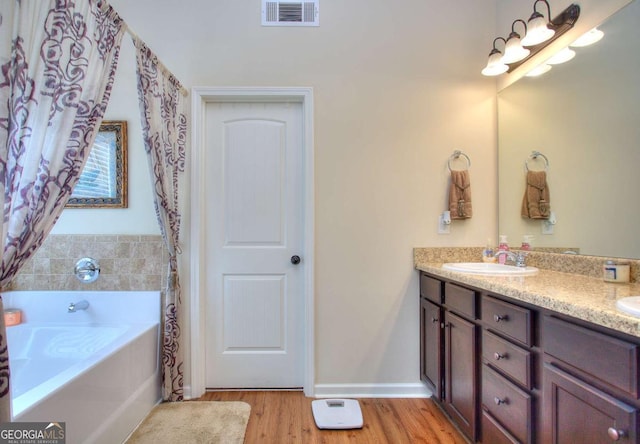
630, 305
489, 269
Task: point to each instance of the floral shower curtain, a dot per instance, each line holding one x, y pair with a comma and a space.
57, 64
164, 126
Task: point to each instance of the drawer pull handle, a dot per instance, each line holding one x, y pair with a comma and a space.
504, 401
499, 318
434, 320
497, 356
615, 434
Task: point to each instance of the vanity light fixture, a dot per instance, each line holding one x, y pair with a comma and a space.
495, 65
588, 38
562, 56
515, 53
538, 29
513, 50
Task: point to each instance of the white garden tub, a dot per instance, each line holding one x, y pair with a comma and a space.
97, 369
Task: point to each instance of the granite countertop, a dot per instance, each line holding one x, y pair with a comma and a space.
583, 297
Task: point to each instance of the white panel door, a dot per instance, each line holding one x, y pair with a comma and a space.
254, 291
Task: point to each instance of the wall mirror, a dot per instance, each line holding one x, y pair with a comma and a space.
585, 118
103, 182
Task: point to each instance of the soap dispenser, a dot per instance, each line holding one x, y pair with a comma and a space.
487, 254
503, 246
526, 242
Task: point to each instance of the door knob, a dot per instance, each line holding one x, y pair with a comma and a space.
295, 260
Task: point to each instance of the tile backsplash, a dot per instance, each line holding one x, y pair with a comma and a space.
127, 262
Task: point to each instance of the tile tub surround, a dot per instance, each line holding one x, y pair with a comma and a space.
572, 291
127, 262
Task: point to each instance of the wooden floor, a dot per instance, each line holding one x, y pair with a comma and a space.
285, 417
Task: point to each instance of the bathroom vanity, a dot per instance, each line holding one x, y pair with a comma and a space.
540, 359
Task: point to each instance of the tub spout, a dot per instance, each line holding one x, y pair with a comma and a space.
75, 306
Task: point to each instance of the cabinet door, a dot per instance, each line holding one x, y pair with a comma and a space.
578, 412
461, 372
431, 346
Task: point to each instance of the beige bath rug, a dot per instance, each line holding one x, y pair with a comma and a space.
193, 422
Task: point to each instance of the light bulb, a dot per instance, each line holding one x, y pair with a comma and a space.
537, 31
539, 70
588, 38
495, 67
513, 51
562, 56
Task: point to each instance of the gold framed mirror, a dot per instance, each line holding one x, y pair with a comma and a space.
103, 182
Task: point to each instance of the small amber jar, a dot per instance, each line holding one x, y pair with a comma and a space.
12, 316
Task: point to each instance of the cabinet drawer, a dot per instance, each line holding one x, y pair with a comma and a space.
609, 359
509, 405
508, 357
460, 299
508, 319
493, 432
430, 288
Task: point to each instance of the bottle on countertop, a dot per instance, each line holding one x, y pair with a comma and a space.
616, 271
526, 242
503, 246
487, 254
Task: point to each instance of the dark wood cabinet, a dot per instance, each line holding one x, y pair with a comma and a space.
507, 319
578, 412
449, 353
612, 361
461, 372
590, 384
508, 399
508, 405
431, 346
493, 432
511, 372
511, 360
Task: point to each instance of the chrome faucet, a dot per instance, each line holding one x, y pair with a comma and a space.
519, 257
75, 306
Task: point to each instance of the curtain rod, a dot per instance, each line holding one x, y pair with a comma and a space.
156, 60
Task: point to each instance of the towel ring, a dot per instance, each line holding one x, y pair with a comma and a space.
456, 155
534, 155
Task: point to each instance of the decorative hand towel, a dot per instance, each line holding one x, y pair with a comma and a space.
460, 195
536, 203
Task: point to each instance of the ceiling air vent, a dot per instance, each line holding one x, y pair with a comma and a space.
290, 13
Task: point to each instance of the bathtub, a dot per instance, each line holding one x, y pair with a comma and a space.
97, 370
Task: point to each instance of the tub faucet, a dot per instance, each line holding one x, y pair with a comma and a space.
75, 306
519, 257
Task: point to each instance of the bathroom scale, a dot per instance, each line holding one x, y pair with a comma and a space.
337, 413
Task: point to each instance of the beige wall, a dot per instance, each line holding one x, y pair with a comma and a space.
397, 88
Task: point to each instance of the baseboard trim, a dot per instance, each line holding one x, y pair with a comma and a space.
186, 393
415, 390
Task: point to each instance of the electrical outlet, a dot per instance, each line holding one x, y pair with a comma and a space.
442, 227
547, 225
